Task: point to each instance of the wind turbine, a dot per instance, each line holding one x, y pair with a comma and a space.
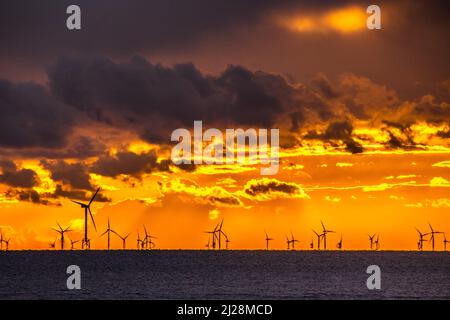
7, 244
72, 243
61, 231
52, 245
108, 231
139, 242
293, 241
445, 243
267, 240
318, 239
421, 239
324, 234
1, 240
371, 240
339, 244
124, 239
227, 241
213, 235
86, 242
219, 230
148, 239
377, 242
288, 243
432, 235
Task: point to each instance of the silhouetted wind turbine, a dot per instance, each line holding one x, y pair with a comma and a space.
227, 240
267, 240
371, 240
293, 241
339, 244
108, 232
124, 239
148, 239
52, 245
433, 232
318, 239
445, 243
7, 243
288, 243
139, 243
377, 242
86, 242
1, 240
219, 230
421, 239
213, 235
324, 234
61, 231
72, 243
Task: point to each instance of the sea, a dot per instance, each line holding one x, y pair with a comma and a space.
226, 274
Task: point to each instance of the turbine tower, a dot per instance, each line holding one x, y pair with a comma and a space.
339, 244
227, 240
377, 242
108, 232
371, 237
445, 243
86, 242
433, 232
61, 231
421, 239
147, 241
318, 239
124, 239
267, 240
288, 243
324, 234
72, 243
293, 241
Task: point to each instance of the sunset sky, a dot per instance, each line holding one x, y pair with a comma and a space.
364, 119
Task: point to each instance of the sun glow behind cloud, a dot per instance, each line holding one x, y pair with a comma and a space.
343, 20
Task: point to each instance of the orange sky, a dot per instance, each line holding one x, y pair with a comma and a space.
379, 192
364, 120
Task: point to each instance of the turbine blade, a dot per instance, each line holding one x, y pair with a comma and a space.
77, 202
92, 199
92, 218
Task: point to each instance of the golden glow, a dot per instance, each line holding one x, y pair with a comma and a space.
346, 20
343, 20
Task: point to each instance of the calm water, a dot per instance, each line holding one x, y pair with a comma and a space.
224, 275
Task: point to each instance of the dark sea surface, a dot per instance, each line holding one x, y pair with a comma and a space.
233, 274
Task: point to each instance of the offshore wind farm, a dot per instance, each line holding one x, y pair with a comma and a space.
218, 239
225, 149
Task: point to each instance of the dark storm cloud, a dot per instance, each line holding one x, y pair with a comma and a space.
38, 29
411, 49
154, 99
325, 86
431, 110
14, 177
30, 117
73, 194
129, 163
28, 195
75, 175
341, 131
269, 186
80, 148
